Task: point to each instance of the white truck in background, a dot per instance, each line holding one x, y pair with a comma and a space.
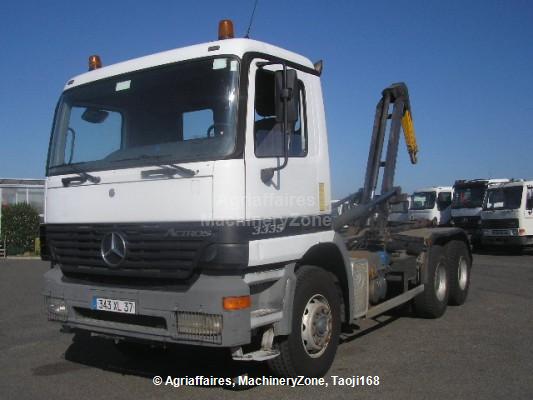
468, 197
188, 201
432, 204
507, 216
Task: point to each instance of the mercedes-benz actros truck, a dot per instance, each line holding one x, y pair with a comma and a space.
188, 201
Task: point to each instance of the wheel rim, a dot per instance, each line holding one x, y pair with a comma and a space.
440, 282
462, 273
317, 326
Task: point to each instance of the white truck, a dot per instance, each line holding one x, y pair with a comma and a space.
188, 201
507, 216
467, 203
432, 204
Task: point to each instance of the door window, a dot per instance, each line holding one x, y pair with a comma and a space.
198, 124
444, 200
268, 134
93, 134
529, 200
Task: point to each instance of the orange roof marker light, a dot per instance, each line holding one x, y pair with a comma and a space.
236, 303
225, 29
94, 62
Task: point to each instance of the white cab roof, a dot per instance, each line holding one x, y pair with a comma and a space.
237, 47
488, 180
515, 183
435, 189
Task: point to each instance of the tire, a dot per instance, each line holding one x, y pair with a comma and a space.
316, 303
432, 302
459, 265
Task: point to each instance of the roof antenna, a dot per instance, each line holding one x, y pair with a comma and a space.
247, 36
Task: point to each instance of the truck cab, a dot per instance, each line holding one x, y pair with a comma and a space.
468, 197
507, 216
432, 204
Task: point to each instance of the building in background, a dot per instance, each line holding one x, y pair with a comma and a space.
16, 191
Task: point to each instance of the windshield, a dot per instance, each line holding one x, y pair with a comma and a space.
504, 198
176, 113
423, 201
468, 197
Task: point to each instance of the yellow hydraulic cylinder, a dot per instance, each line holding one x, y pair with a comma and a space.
410, 136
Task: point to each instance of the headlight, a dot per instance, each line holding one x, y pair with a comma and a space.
57, 309
199, 326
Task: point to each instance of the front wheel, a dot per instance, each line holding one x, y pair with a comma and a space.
310, 349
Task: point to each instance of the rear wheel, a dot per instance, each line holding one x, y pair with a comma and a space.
459, 264
310, 349
432, 302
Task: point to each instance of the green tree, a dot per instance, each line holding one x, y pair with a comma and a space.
20, 226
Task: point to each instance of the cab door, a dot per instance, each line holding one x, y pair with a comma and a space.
293, 190
444, 202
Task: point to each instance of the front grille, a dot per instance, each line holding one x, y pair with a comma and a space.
466, 222
506, 223
152, 250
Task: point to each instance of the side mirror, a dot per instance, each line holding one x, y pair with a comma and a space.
94, 115
288, 93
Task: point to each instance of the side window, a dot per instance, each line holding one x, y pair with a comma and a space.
529, 201
93, 134
198, 124
444, 200
268, 134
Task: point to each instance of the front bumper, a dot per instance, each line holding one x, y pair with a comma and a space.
158, 312
518, 241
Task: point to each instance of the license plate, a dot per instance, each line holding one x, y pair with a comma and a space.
119, 306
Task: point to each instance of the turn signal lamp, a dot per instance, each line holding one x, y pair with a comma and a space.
225, 29
94, 62
236, 303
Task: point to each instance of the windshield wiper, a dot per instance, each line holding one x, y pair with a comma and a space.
81, 178
169, 171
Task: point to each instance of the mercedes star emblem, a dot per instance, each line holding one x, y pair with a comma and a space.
113, 249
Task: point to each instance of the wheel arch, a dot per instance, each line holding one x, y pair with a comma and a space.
443, 238
333, 257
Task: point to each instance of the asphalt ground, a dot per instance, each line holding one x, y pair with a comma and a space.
481, 350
